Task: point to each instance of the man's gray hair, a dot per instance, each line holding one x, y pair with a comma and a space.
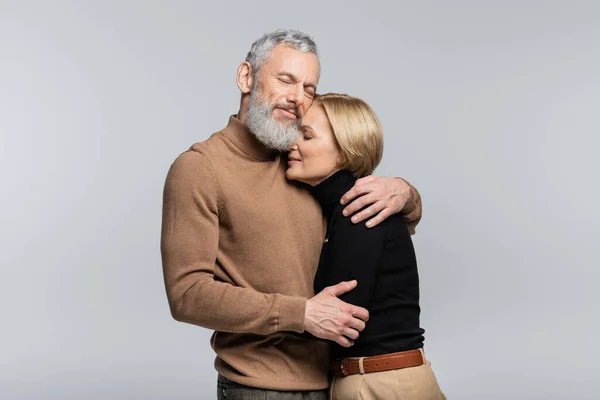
263, 47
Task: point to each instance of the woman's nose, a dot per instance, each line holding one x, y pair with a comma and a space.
293, 147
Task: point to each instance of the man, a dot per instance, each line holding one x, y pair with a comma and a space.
241, 244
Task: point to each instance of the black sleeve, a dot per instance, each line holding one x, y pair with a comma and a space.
355, 252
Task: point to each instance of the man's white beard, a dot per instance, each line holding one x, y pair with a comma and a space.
269, 131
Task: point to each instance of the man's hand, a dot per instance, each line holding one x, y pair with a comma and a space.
327, 317
383, 196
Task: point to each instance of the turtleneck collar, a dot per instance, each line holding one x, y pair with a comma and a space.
244, 140
329, 192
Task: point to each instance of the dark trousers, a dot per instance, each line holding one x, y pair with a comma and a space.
229, 390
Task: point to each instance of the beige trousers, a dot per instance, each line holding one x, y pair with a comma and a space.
416, 383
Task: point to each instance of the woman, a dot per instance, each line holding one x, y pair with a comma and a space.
340, 140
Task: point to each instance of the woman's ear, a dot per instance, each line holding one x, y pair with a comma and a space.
244, 77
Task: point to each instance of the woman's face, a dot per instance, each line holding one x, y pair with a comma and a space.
315, 154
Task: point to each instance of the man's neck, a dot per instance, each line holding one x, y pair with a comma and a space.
243, 112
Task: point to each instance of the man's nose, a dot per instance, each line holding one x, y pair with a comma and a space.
296, 94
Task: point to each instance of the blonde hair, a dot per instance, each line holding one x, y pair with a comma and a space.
357, 131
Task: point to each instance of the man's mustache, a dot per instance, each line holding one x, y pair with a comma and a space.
288, 108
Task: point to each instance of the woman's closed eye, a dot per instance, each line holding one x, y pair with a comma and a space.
306, 133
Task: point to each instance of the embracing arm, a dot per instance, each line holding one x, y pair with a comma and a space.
380, 197
189, 247
412, 209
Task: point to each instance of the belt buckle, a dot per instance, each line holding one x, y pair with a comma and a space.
342, 368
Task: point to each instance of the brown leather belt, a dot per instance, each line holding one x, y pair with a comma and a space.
385, 362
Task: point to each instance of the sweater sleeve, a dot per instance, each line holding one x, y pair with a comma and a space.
413, 209
189, 248
355, 252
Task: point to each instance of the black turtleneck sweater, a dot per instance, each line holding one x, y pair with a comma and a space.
382, 260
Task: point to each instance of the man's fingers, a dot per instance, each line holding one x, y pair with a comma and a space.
353, 193
342, 287
380, 217
357, 324
360, 188
358, 204
368, 212
360, 313
366, 179
344, 341
350, 334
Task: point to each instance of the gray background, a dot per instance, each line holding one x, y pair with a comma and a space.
490, 108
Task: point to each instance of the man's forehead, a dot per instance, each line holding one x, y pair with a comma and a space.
288, 60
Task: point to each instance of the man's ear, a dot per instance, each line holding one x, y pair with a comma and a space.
245, 77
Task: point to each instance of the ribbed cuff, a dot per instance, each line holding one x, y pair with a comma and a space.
291, 313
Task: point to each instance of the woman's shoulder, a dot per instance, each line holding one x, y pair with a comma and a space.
360, 228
